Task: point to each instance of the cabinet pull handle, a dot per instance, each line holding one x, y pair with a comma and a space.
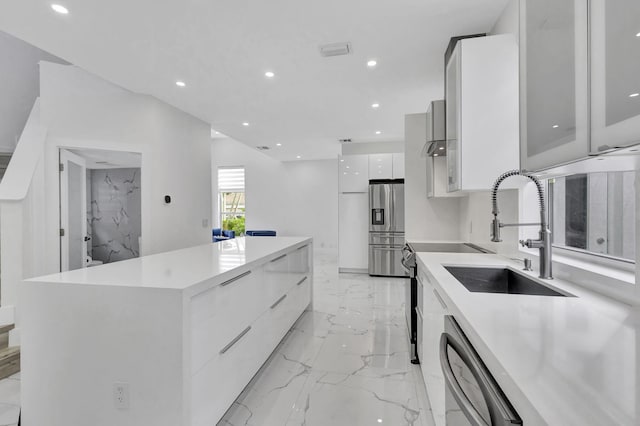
300, 248
244, 274
302, 280
444, 305
278, 258
235, 340
278, 301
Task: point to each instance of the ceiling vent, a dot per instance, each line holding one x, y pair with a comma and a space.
262, 148
344, 140
335, 49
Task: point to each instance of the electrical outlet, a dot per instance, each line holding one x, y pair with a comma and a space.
121, 396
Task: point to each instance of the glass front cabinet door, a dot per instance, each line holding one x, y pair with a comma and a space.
452, 108
554, 82
615, 74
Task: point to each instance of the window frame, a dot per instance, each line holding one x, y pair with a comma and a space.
600, 259
221, 192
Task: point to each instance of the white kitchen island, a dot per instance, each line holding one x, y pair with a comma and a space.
167, 339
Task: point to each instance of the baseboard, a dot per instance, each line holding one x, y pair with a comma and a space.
353, 271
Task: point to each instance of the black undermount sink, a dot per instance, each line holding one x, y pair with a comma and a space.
499, 280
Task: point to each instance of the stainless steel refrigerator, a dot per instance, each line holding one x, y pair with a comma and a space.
386, 227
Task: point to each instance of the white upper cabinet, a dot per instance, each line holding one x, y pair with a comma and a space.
380, 166
615, 73
554, 81
481, 111
354, 173
398, 165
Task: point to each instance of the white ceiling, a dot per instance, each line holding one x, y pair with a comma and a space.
222, 49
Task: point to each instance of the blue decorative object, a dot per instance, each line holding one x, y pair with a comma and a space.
261, 233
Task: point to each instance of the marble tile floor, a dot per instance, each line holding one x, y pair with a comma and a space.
345, 363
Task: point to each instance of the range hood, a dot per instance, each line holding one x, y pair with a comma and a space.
436, 141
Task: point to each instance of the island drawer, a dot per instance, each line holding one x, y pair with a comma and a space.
220, 313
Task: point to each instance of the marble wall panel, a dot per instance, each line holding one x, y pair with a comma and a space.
115, 214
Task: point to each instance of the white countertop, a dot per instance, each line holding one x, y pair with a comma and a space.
183, 268
560, 360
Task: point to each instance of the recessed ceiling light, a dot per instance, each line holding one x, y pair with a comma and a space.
372, 63
379, 420
180, 83
441, 148
633, 95
344, 173
375, 105
298, 156
555, 126
435, 155
60, 9
342, 161
347, 167
638, 35
278, 144
245, 124
378, 132
269, 74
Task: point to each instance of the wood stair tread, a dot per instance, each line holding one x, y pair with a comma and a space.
6, 328
9, 352
9, 361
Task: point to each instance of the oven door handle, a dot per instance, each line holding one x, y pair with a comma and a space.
465, 405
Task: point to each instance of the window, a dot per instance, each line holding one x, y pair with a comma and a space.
595, 213
231, 199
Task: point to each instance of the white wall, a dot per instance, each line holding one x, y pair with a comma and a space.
476, 219
509, 20
81, 110
426, 219
19, 86
297, 198
372, 147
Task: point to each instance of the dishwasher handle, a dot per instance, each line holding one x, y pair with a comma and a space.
496, 402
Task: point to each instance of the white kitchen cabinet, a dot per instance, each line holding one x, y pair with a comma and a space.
380, 166
433, 310
354, 173
437, 184
481, 112
353, 232
398, 166
554, 82
615, 67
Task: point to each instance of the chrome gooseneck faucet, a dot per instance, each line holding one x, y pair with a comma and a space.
543, 244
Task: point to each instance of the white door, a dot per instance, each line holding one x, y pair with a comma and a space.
73, 211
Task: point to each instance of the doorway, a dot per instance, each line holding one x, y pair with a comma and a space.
100, 207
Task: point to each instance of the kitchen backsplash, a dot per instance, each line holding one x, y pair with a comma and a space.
114, 214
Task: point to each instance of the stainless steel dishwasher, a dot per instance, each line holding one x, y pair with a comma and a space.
472, 395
